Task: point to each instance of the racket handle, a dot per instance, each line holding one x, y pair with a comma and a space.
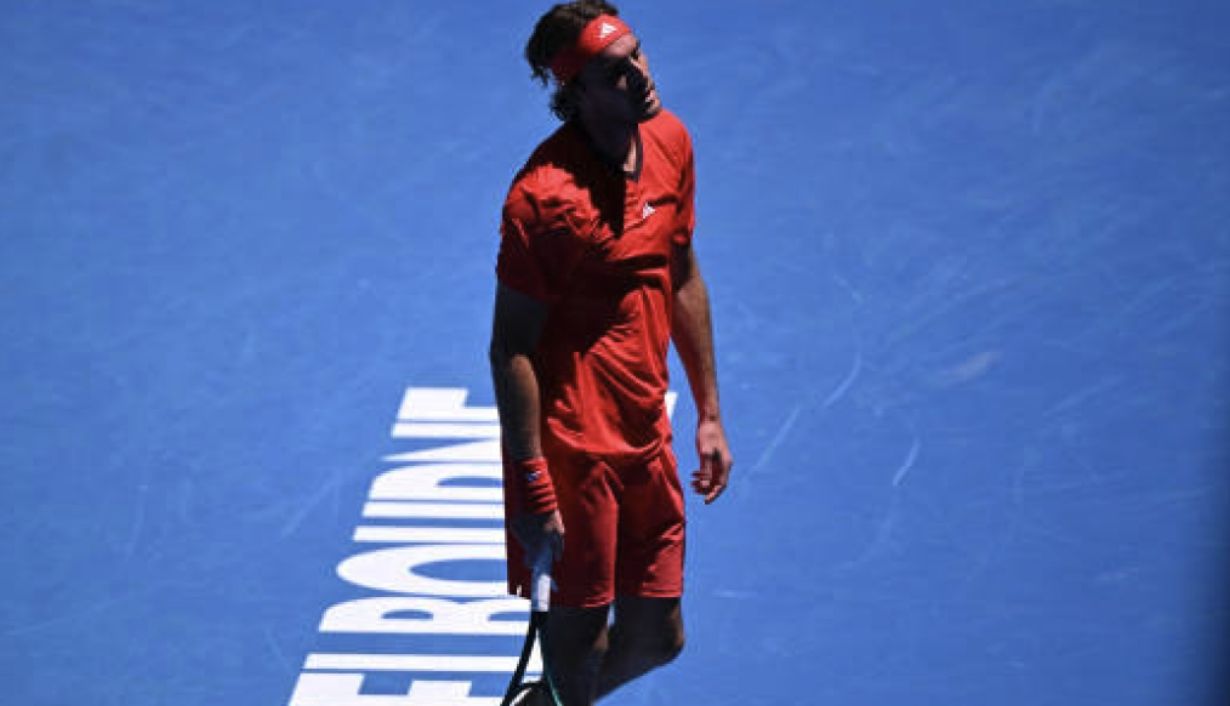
540, 586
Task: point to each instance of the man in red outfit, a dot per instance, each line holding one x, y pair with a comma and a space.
597, 276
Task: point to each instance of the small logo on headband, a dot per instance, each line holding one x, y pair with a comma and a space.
606, 30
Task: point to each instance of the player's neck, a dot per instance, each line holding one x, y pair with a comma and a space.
615, 143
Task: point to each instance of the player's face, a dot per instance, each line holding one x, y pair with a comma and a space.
617, 85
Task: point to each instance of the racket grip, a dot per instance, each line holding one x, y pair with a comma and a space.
540, 586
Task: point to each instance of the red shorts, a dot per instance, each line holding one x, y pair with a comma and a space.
623, 532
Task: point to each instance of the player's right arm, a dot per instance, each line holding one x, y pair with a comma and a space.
516, 327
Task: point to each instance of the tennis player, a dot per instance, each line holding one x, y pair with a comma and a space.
596, 277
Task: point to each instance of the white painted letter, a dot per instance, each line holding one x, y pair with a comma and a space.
427, 482
394, 570
343, 689
436, 616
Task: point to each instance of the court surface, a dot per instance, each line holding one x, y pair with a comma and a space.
968, 263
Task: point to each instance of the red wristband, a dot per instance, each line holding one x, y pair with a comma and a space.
530, 484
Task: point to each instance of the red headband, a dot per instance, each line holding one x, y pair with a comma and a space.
598, 34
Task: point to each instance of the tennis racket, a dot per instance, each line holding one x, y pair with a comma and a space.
540, 605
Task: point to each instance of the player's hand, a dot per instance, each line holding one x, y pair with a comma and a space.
715, 461
535, 532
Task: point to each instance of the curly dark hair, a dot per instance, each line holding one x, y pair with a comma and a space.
556, 30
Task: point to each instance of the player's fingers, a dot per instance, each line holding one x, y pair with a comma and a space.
701, 482
556, 535
719, 479
530, 552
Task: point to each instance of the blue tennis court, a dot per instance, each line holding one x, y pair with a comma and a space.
970, 273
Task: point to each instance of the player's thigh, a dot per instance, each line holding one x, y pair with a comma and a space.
650, 549
588, 502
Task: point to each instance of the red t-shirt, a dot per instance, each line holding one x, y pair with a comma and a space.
598, 248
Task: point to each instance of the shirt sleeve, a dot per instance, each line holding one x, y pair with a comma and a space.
685, 222
520, 264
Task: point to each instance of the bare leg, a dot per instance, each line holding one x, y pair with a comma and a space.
647, 633
577, 640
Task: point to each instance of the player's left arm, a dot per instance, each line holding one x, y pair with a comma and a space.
692, 333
